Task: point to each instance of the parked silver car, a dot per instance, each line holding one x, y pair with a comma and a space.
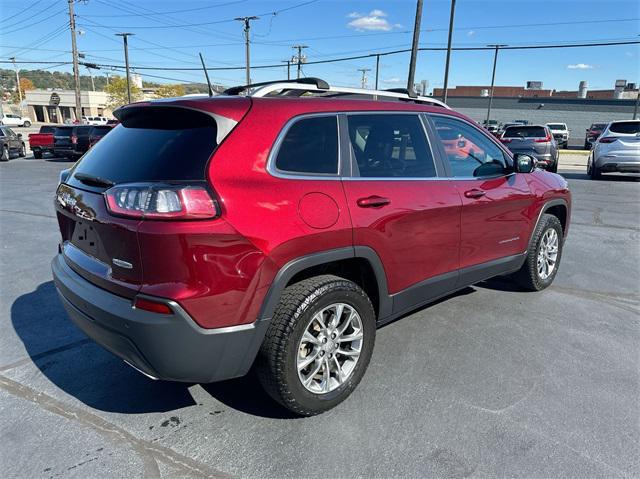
617, 149
533, 140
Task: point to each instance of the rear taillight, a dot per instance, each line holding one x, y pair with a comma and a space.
151, 305
607, 139
159, 201
74, 139
543, 140
505, 140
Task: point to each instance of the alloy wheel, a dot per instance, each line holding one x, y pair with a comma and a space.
330, 348
548, 253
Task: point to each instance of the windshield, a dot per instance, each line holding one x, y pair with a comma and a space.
625, 127
525, 132
557, 126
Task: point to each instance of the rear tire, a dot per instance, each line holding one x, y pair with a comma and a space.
543, 256
27, 124
594, 173
5, 154
299, 361
23, 151
37, 155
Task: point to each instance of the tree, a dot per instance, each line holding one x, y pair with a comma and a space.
26, 84
117, 91
168, 91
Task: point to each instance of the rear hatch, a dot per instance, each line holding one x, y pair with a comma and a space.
527, 139
156, 145
627, 137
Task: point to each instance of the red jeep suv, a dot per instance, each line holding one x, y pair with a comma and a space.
277, 229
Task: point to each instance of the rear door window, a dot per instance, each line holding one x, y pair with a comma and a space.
627, 127
525, 132
153, 146
310, 146
390, 146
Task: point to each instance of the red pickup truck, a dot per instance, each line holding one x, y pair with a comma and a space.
42, 142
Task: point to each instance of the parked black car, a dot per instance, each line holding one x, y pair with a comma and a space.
10, 143
97, 132
71, 141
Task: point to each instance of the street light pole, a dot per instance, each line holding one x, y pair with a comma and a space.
414, 49
288, 62
74, 53
125, 37
493, 79
446, 66
377, 69
247, 27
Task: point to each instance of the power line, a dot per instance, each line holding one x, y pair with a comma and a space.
22, 10
208, 7
32, 23
228, 20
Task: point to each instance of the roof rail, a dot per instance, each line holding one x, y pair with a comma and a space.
317, 82
314, 85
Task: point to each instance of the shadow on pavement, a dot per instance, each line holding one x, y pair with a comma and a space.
81, 368
604, 177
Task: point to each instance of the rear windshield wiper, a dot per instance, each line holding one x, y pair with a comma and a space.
93, 180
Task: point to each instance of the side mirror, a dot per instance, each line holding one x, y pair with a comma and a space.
524, 163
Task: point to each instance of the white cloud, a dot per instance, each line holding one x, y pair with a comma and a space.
580, 66
471, 33
629, 54
374, 20
392, 80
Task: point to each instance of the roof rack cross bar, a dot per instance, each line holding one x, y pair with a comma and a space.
317, 82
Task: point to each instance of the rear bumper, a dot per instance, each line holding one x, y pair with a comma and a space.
615, 162
63, 151
171, 347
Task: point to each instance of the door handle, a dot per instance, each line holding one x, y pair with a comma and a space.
373, 202
474, 193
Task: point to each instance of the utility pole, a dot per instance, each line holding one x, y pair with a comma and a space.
15, 67
288, 62
74, 53
446, 67
247, 28
414, 48
125, 38
363, 81
493, 79
377, 69
298, 57
635, 107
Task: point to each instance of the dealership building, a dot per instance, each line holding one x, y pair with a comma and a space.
58, 106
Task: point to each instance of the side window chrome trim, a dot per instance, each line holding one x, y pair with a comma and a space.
283, 174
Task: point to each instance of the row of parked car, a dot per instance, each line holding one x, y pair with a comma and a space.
66, 141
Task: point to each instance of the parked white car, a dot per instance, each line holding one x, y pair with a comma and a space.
561, 133
617, 149
14, 120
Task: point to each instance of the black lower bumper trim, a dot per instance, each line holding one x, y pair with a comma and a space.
171, 347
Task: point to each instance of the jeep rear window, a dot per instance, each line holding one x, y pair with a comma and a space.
625, 127
155, 145
525, 132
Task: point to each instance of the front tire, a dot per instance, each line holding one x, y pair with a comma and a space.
5, 154
543, 256
23, 151
318, 345
27, 124
594, 172
37, 155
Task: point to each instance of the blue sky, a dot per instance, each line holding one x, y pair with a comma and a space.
334, 29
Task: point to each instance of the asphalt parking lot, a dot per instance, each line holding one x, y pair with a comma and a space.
490, 382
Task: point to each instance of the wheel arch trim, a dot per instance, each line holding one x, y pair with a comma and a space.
296, 265
548, 205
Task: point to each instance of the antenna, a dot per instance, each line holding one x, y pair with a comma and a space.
206, 74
